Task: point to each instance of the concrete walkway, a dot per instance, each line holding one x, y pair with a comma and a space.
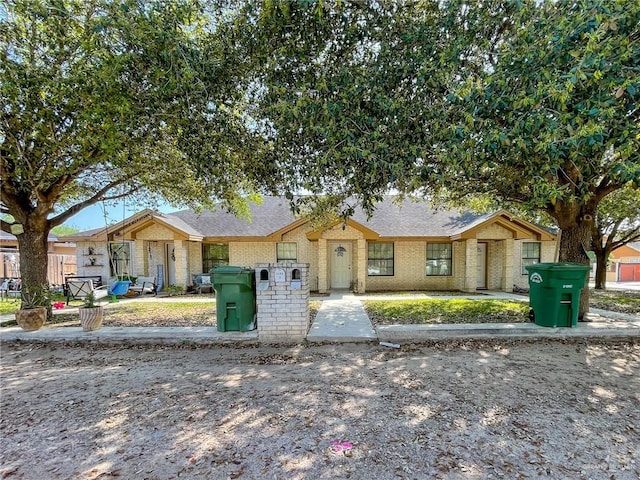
341, 318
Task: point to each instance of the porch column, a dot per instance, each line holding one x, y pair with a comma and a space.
139, 258
322, 265
361, 268
471, 274
180, 253
507, 266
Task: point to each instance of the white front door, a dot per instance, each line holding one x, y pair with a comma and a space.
482, 266
340, 263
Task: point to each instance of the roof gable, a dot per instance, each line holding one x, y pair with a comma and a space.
367, 233
634, 245
520, 228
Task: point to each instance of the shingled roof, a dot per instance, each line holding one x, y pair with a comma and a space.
407, 218
271, 215
412, 218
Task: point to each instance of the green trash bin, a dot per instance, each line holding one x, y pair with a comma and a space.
235, 298
554, 293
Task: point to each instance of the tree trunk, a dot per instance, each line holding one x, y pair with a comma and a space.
601, 269
33, 249
574, 243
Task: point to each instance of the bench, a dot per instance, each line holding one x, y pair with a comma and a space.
144, 285
202, 283
95, 279
80, 289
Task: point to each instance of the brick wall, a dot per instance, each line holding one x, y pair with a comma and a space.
247, 254
282, 307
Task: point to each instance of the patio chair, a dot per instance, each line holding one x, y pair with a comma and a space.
80, 289
144, 285
4, 289
11, 287
119, 288
202, 283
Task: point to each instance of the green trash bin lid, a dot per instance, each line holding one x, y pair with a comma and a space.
556, 272
559, 266
230, 269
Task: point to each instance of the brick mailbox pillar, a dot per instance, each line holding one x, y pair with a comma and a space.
282, 301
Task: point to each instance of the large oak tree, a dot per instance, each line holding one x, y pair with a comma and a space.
105, 99
530, 102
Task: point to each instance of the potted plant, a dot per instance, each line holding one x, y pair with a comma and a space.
33, 307
90, 313
173, 290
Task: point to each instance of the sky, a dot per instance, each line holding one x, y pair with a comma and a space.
93, 216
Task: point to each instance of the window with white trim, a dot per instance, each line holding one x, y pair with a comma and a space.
380, 259
439, 260
530, 255
287, 252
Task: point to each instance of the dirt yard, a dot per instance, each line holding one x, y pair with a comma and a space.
463, 411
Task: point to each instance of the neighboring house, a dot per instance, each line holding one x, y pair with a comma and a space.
625, 264
402, 247
61, 262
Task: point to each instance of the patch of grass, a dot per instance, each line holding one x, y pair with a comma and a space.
615, 300
9, 305
165, 314
314, 306
145, 314
431, 311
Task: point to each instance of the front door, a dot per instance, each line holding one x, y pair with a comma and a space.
482, 266
340, 255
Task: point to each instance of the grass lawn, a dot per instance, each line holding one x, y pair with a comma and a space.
149, 314
424, 311
411, 311
146, 314
615, 300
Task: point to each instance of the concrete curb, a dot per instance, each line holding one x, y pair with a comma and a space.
130, 335
420, 333
342, 338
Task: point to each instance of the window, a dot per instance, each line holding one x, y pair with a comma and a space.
530, 254
439, 259
214, 255
120, 258
380, 259
287, 252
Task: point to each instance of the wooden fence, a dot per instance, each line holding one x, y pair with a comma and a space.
58, 266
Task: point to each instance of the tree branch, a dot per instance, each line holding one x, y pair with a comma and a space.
98, 196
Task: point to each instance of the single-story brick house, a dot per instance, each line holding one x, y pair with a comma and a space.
406, 246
